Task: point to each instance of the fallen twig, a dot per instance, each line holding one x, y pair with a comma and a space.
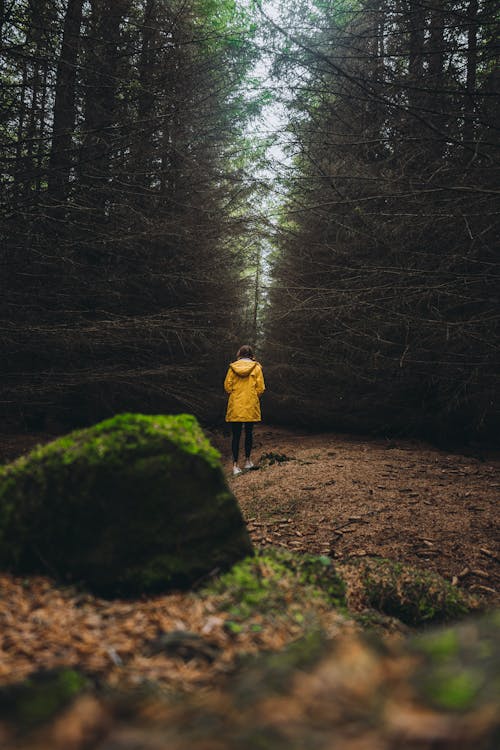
489, 553
480, 587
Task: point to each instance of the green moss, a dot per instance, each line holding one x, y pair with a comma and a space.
114, 437
441, 645
277, 583
37, 699
254, 584
459, 665
318, 571
445, 687
414, 596
454, 692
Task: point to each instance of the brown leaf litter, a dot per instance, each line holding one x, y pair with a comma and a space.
350, 496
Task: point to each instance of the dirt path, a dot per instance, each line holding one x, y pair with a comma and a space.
343, 495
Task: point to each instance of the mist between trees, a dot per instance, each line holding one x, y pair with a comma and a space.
133, 214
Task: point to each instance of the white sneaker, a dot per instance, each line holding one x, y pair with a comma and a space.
248, 464
236, 471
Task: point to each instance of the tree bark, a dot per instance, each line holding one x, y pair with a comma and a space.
64, 110
100, 102
470, 84
416, 52
436, 46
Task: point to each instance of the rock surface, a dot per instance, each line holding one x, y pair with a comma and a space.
133, 504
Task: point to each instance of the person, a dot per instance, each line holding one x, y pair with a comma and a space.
244, 383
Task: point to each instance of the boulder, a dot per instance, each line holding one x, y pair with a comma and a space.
131, 505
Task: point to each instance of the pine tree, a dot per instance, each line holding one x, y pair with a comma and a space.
384, 311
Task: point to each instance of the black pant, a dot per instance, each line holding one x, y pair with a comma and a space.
236, 428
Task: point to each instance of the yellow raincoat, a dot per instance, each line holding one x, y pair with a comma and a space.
245, 385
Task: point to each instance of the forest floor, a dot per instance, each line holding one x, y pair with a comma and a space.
330, 494
350, 496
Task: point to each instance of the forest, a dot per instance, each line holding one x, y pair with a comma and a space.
151, 224
186, 183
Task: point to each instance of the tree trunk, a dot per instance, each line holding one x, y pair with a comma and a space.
64, 110
416, 52
100, 103
470, 85
437, 97
142, 134
41, 130
19, 162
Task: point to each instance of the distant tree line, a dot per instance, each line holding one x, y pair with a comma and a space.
384, 306
124, 203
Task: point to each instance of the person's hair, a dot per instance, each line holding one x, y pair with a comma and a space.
245, 351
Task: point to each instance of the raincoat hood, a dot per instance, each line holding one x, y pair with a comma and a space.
243, 367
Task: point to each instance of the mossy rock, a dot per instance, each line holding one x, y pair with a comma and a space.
414, 596
133, 504
277, 583
379, 594
253, 579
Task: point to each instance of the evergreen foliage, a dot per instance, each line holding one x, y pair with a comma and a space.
134, 243
384, 306
124, 206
